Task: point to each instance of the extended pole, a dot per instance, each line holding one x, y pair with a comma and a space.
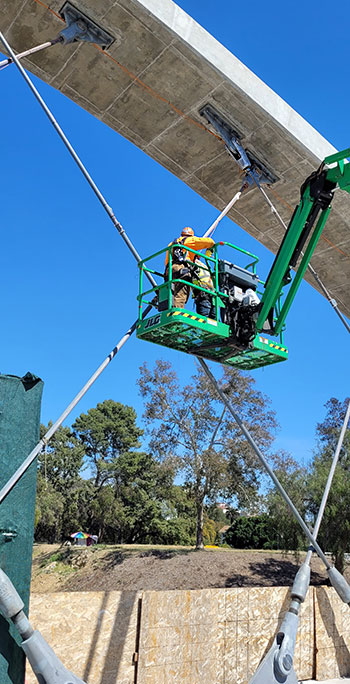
31, 51
225, 211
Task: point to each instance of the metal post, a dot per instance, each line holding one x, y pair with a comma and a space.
330, 477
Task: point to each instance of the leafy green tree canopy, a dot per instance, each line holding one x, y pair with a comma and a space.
294, 478
106, 432
188, 427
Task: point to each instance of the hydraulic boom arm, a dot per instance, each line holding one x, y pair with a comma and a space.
306, 224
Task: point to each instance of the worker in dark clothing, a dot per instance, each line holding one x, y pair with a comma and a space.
204, 301
180, 269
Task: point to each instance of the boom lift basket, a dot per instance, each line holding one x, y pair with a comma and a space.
210, 338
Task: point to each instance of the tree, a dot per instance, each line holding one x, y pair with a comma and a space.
131, 496
294, 479
59, 486
61, 461
189, 429
334, 532
128, 486
178, 510
140, 484
253, 532
48, 511
106, 432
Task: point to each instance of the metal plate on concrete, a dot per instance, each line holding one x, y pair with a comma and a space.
150, 86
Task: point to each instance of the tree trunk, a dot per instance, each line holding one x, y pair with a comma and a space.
339, 561
199, 531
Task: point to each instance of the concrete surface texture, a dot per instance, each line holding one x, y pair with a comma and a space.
192, 637
150, 85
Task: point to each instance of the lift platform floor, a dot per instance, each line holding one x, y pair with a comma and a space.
194, 334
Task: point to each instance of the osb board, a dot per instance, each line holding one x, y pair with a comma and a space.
190, 637
216, 635
93, 633
332, 618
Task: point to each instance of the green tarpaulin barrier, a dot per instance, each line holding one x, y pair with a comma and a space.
20, 401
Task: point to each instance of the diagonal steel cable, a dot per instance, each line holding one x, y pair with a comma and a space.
153, 282
338, 581
278, 662
38, 448
30, 458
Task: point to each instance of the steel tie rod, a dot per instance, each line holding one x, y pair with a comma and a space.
338, 581
153, 282
30, 458
37, 449
31, 51
277, 665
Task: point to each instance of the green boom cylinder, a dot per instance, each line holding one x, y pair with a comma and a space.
20, 402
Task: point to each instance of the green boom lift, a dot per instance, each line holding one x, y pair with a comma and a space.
244, 329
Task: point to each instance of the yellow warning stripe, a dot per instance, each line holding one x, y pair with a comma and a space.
186, 315
271, 344
203, 320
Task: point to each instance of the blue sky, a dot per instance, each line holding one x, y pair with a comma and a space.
68, 283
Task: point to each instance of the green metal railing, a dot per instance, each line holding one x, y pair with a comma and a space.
145, 296
216, 293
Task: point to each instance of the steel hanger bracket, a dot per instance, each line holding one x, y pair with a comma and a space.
81, 27
246, 160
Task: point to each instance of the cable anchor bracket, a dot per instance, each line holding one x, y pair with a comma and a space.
81, 27
248, 162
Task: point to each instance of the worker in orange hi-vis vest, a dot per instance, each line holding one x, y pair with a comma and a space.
180, 269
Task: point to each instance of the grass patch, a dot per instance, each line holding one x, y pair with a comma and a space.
55, 557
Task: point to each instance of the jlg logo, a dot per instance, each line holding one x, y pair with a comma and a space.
152, 321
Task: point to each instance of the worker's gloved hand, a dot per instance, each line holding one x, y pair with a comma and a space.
155, 301
185, 274
208, 252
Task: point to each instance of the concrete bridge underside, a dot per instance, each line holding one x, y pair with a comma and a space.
149, 86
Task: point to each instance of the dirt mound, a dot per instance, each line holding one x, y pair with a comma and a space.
129, 567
